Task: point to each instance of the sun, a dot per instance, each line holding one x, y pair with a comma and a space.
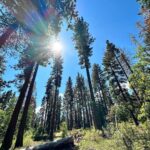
57, 47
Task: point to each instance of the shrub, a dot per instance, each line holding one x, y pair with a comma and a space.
120, 112
144, 112
63, 129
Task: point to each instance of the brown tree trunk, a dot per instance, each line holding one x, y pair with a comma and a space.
19, 140
6, 144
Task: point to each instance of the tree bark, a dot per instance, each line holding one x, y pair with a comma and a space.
6, 144
19, 141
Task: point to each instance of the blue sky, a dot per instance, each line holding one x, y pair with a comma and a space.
113, 20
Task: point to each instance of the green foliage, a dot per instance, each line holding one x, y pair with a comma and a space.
83, 41
141, 77
133, 137
120, 112
93, 140
5, 116
126, 137
64, 129
3, 121
68, 102
144, 114
145, 3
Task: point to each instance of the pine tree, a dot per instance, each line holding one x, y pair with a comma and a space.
2, 70
117, 79
99, 84
140, 77
123, 62
8, 24
19, 140
58, 113
81, 100
56, 76
5, 98
12, 124
49, 103
104, 101
83, 41
68, 103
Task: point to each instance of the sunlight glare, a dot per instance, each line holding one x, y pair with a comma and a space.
57, 47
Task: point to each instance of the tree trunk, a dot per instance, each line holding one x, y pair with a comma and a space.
94, 113
102, 97
87, 115
49, 114
6, 144
71, 118
124, 97
51, 135
7, 33
19, 141
134, 90
90, 114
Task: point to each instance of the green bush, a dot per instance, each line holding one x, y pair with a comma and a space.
120, 112
133, 137
144, 112
126, 137
63, 129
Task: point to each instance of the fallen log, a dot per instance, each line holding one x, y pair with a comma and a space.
62, 144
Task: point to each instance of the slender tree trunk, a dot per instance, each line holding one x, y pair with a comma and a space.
102, 97
78, 115
6, 144
58, 115
86, 111
51, 135
134, 90
49, 115
94, 113
75, 119
90, 114
124, 97
128, 65
87, 115
84, 118
110, 99
67, 118
71, 119
7, 33
19, 141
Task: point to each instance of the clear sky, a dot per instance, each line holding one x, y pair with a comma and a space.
113, 20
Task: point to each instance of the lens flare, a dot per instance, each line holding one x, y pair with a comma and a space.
57, 47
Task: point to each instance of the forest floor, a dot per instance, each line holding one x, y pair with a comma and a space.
127, 136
